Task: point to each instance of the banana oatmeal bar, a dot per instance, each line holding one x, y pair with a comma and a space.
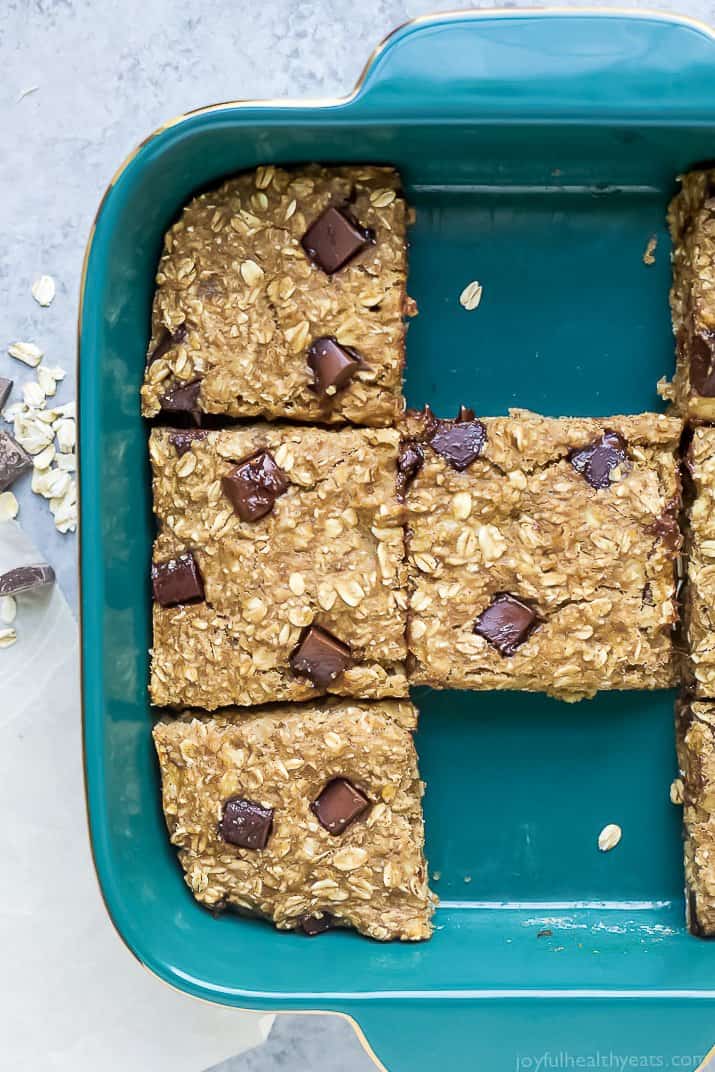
691, 216
695, 789
542, 551
700, 580
282, 294
308, 815
279, 568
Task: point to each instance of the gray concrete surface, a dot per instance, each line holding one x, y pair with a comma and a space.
106, 73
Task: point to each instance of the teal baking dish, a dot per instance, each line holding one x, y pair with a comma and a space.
540, 151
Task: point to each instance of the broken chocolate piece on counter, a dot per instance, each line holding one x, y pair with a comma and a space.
25, 578
254, 485
14, 460
506, 623
409, 462
183, 398
312, 925
332, 365
5, 389
246, 823
597, 461
702, 363
335, 238
320, 656
339, 804
460, 442
167, 340
177, 580
182, 438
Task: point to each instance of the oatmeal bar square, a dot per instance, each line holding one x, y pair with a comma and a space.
279, 567
691, 216
695, 790
542, 552
282, 295
700, 577
308, 815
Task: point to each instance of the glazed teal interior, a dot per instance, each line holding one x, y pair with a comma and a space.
540, 153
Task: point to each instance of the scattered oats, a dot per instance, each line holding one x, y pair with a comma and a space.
45, 458
66, 462
7, 637
55, 372
47, 382
68, 409
13, 411
471, 295
651, 246
27, 352
64, 511
8, 506
32, 434
33, 394
677, 791
43, 290
8, 609
51, 483
25, 93
67, 439
609, 837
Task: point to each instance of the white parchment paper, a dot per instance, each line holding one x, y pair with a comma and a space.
73, 998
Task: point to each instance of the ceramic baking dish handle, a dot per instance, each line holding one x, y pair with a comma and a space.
551, 65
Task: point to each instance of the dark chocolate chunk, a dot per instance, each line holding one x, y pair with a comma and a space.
14, 460
332, 365
465, 414
24, 578
335, 238
506, 623
5, 389
177, 580
409, 462
254, 485
312, 925
246, 823
460, 442
702, 363
167, 340
596, 462
691, 908
666, 526
182, 438
320, 656
339, 804
182, 398
647, 595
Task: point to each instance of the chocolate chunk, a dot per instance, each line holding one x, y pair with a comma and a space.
332, 365
312, 925
246, 823
254, 485
666, 527
460, 442
183, 398
178, 580
596, 462
320, 656
182, 438
339, 804
409, 462
506, 623
25, 578
5, 389
691, 904
702, 363
335, 238
465, 414
14, 460
167, 341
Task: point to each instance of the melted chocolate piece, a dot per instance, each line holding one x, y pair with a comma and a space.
312, 925
254, 485
246, 823
506, 623
335, 238
182, 438
702, 363
666, 527
460, 442
596, 462
167, 341
409, 462
339, 804
320, 656
177, 580
332, 365
5, 389
25, 578
14, 460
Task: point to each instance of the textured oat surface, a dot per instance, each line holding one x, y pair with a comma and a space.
700, 591
691, 216
331, 552
597, 565
372, 876
696, 757
233, 270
